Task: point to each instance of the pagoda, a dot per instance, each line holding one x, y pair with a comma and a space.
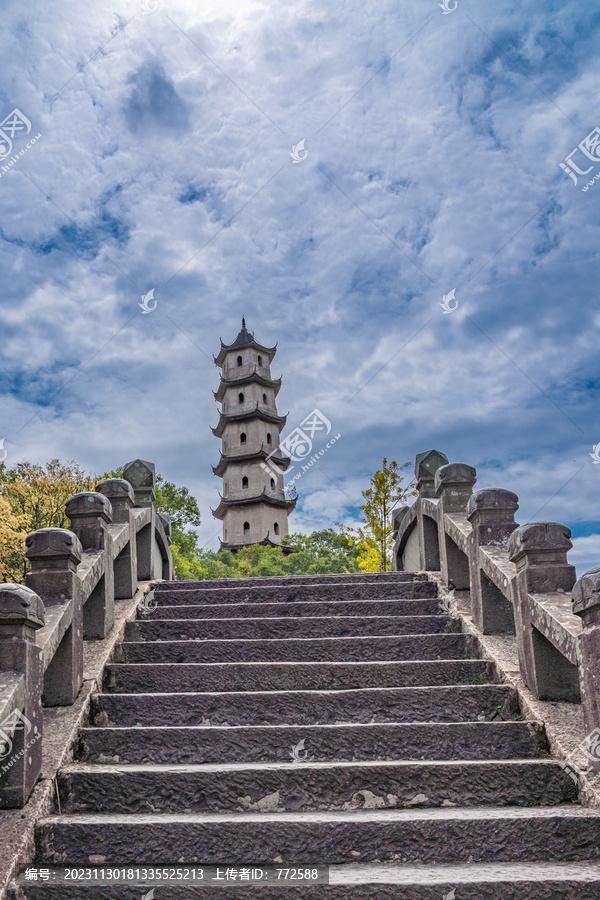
253, 505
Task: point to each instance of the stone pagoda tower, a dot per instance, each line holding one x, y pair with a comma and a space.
253, 507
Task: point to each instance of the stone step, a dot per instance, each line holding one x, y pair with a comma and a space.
472, 881
288, 627
294, 580
563, 834
368, 590
428, 607
326, 743
271, 676
425, 704
308, 787
341, 649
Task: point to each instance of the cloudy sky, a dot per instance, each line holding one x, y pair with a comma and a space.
434, 141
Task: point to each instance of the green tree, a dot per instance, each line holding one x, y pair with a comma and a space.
386, 491
35, 497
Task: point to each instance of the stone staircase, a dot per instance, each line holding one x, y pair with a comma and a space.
331, 720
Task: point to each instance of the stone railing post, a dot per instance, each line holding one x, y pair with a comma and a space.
397, 516
539, 551
426, 465
90, 514
586, 604
21, 614
453, 485
120, 494
141, 475
54, 554
165, 518
491, 513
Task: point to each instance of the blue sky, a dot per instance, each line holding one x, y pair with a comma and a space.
434, 147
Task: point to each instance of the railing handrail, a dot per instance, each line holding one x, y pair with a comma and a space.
518, 577
116, 539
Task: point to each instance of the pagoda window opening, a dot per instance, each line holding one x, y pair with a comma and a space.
243, 437
260, 360
225, 534
272, 484
265, 399
276, 527
240, 397
239, 360
269, 438
245, 481
246, 527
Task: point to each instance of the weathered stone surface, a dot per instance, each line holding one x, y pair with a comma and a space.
274, 676
361, 732
327, 743
539, 551
294, 580
330, 608
288, 627
286, 594
413, 647
491, 513
586, 604
328, 837
21, 615
477, 881
455, 703
290, 787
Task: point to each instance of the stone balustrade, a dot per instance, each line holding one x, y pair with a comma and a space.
116, 539
518, 578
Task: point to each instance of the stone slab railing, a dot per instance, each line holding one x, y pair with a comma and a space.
116, 539
518, 576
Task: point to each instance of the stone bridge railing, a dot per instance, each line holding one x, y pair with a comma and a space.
116, 539
518, 576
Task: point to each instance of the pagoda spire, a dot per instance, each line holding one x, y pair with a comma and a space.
253, 506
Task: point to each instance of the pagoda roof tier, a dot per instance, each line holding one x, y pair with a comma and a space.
266, 542
258, 411
264, 497
253, 377
261, 452
244, 339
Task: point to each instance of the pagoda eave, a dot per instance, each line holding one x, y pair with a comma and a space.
227, 348
282, 462
252, 378
266, 542
256, 413
225, 504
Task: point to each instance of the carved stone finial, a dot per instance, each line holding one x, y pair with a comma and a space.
586, 593
539, 537
243, 322
89, 504
53, 542
140, 473
496, 501
19, 605
453, 484
491, 513
116, 489
539, 551
426, 465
